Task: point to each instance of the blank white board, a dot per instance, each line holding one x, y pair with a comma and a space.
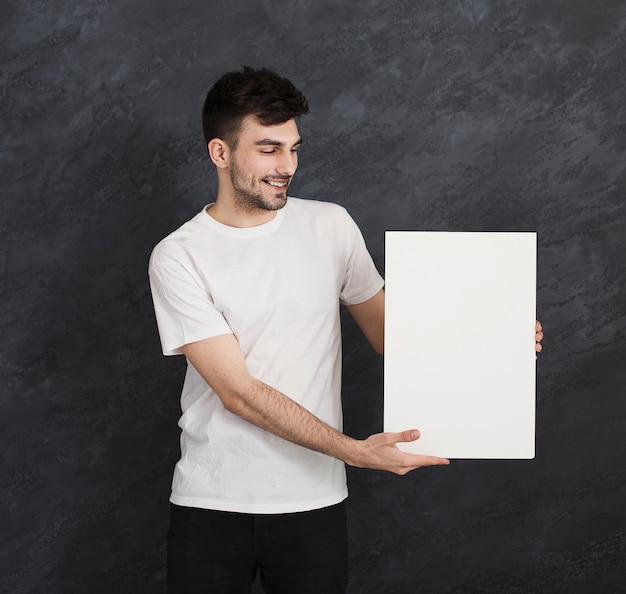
459, 342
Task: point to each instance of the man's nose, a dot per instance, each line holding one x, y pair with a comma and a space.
287, 164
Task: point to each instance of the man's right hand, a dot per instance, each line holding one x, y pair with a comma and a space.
379, 452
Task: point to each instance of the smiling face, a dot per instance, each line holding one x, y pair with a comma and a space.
262, 165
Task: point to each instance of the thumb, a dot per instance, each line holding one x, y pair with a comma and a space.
409, 435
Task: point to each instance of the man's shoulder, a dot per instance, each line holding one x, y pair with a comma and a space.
176, 242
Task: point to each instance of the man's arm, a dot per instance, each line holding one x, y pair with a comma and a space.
220, 362
370, 317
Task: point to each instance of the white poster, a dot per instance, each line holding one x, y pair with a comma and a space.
459, 342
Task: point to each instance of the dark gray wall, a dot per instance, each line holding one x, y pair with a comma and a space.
467, 115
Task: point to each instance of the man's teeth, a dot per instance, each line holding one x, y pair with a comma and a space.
277, 184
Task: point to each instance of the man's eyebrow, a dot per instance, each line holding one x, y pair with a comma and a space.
272, 142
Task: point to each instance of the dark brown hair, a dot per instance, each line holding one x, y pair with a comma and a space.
271, 98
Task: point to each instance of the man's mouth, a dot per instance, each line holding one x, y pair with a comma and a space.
276, 183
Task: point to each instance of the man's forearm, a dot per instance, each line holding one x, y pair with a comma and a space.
275, 412
271, 410
220, 362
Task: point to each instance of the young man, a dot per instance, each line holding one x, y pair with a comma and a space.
249, 291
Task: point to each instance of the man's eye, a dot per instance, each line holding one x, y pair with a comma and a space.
271, 152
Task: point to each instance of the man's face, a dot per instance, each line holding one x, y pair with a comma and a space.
263, 164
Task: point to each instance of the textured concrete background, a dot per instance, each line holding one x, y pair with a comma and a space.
432, 115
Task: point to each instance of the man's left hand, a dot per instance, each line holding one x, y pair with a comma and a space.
538, 336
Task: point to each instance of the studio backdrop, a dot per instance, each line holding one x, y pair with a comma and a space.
472, 115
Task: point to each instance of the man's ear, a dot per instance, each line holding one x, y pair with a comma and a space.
219, 152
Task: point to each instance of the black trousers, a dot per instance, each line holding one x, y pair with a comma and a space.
220, 552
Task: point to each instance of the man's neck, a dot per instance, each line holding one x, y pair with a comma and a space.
227, 213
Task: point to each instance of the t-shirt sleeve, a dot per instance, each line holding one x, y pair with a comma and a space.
184, 309
362, 280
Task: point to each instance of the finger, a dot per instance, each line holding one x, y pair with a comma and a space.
538, 347
538, 326
409, 435
538, 336
417, 461
435, 461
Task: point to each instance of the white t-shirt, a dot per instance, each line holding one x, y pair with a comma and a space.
277, 287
